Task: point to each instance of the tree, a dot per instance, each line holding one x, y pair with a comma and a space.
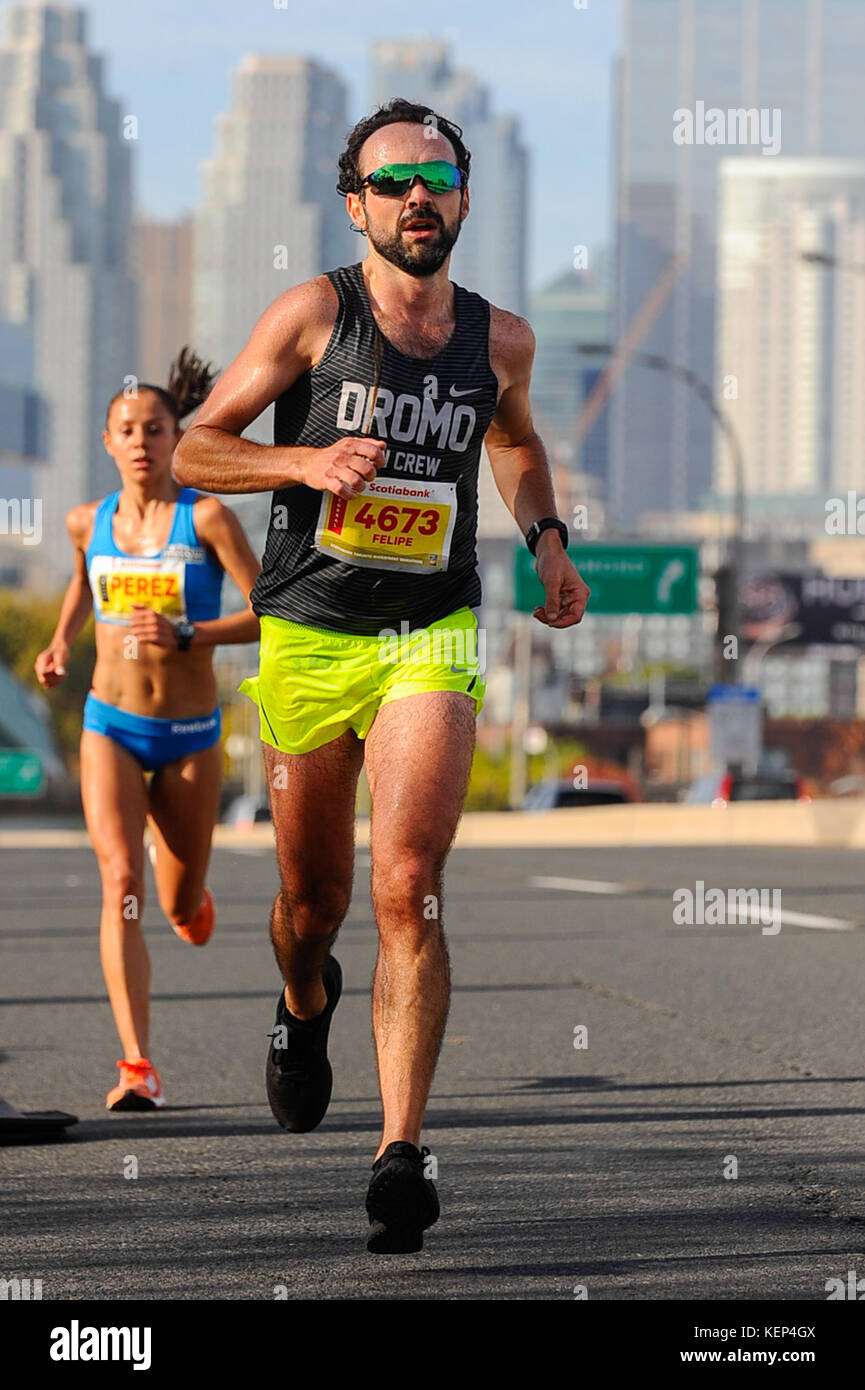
27, 625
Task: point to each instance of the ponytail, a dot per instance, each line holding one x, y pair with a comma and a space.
189, 383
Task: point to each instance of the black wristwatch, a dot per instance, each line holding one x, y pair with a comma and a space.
533, 534
184, 631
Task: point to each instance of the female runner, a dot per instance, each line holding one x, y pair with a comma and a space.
149, 562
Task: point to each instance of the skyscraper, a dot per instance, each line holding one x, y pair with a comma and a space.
64, 232
571, 312
791, 334
163, 281
699, 81
490, 256
269, 216
23, 440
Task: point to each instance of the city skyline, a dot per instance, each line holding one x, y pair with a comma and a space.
264, 219
550, 68
67, 287
490, 256
792, 332
796, 64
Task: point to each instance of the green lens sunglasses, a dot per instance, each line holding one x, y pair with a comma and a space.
395, 180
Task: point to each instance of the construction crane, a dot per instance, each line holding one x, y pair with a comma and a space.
636, 332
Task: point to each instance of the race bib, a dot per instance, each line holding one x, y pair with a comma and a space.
392, 525
120, 582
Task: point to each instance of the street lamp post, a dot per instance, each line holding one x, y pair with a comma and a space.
729, 671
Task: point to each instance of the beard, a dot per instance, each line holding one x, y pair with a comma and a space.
418, 258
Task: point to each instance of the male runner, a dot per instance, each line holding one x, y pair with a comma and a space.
387, 379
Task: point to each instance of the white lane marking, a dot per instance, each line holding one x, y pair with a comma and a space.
581, 885
809, 919
747, 915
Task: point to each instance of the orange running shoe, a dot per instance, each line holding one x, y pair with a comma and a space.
199, 931
139, 1088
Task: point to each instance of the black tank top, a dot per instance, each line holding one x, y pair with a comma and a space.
406, 548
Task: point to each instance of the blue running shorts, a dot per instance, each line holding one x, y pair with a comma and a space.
154, 742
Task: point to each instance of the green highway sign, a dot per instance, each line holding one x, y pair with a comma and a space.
21, 772
622, 578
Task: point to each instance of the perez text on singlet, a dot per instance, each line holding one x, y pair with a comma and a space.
404, 549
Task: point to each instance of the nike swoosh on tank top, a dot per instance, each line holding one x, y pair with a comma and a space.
405, 549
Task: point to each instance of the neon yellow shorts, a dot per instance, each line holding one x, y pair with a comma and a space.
313, 684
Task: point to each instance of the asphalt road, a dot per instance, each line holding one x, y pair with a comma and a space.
558, 1166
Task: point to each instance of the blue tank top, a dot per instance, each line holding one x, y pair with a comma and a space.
180, 581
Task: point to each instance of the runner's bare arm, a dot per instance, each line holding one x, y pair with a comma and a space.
517, 455
218, 527
288, 339
521, 471
50, 665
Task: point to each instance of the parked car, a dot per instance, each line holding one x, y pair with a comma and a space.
852, 785
558, 792
719, 788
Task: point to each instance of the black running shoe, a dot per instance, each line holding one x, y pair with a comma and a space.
298, 1077
401, 1202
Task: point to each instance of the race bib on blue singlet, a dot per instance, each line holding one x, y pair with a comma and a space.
121, 582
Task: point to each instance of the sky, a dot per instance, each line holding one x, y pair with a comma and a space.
169, 62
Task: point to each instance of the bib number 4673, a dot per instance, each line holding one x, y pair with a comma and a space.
393, 525
388, 519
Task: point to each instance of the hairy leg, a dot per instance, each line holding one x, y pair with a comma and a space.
418, 756
312, 798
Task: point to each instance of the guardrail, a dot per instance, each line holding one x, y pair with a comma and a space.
826, 824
